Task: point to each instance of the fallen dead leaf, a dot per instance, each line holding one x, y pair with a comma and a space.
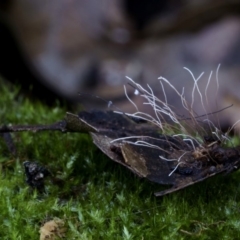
53, 229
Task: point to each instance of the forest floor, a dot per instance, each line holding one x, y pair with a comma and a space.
94, 197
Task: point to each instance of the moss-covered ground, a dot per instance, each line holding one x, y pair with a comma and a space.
97, 198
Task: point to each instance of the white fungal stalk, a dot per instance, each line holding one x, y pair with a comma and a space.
163, 110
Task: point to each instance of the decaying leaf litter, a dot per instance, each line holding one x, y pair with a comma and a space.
166, 148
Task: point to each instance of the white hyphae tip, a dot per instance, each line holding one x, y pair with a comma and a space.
110, 104
136, 92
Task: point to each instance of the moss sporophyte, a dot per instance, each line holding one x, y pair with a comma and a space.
163, 147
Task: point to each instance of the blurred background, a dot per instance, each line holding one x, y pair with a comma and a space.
56, 49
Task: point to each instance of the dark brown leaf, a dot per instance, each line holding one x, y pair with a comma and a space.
166, 160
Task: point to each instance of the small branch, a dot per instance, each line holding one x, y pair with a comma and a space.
58, 126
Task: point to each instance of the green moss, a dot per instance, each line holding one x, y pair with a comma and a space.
97, 198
